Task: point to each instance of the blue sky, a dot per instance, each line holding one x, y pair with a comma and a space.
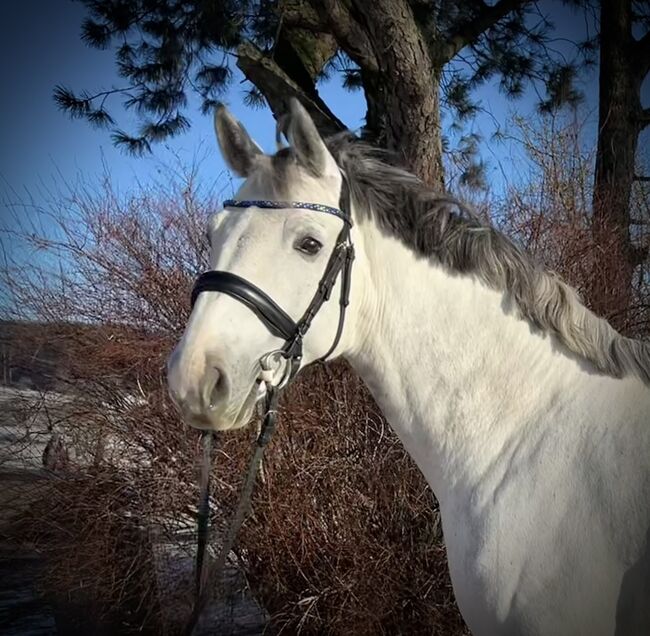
41, 48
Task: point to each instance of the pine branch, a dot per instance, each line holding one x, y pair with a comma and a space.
136, 146
164, 128
67, 101
95, 34
352, 79
253, 98
79, 107
277, 87
469, 32
100, 118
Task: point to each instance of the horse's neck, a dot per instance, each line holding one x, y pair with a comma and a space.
458, 376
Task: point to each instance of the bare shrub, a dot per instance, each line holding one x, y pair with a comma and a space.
549, 212
103, 281
346, 526
345, 533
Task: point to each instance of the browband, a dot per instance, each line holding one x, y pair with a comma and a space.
283, 205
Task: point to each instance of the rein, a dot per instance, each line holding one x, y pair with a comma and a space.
205, 573
281, 325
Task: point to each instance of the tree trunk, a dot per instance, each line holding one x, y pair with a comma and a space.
413, 128
619, 127
400, 58
410, 86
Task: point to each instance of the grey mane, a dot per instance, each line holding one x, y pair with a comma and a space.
441, 227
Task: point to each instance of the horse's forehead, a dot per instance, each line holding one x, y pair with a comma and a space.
243, 227
244, 239
276, 178
280, 177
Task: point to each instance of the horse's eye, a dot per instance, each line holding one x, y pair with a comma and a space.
308, 245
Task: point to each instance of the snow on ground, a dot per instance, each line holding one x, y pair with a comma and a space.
28, 420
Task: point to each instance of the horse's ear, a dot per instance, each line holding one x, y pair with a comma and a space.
238, 149
307, 143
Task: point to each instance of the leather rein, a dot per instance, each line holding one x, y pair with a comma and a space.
280, 324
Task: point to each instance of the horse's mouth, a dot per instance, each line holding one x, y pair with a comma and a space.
248, 405
230, 418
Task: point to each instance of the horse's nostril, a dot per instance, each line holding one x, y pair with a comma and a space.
218, 388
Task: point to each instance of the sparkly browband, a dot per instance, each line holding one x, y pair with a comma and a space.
283, 205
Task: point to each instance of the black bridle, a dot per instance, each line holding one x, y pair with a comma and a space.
280, 324
276, 320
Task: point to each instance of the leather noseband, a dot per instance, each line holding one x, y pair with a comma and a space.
265, 308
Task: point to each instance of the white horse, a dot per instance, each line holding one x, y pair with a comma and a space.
528, 415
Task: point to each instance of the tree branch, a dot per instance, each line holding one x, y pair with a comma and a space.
644, 117
639, 254
277, 87
298, 14
350, 35
469, 32
642, 178
407, 85
642, 53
